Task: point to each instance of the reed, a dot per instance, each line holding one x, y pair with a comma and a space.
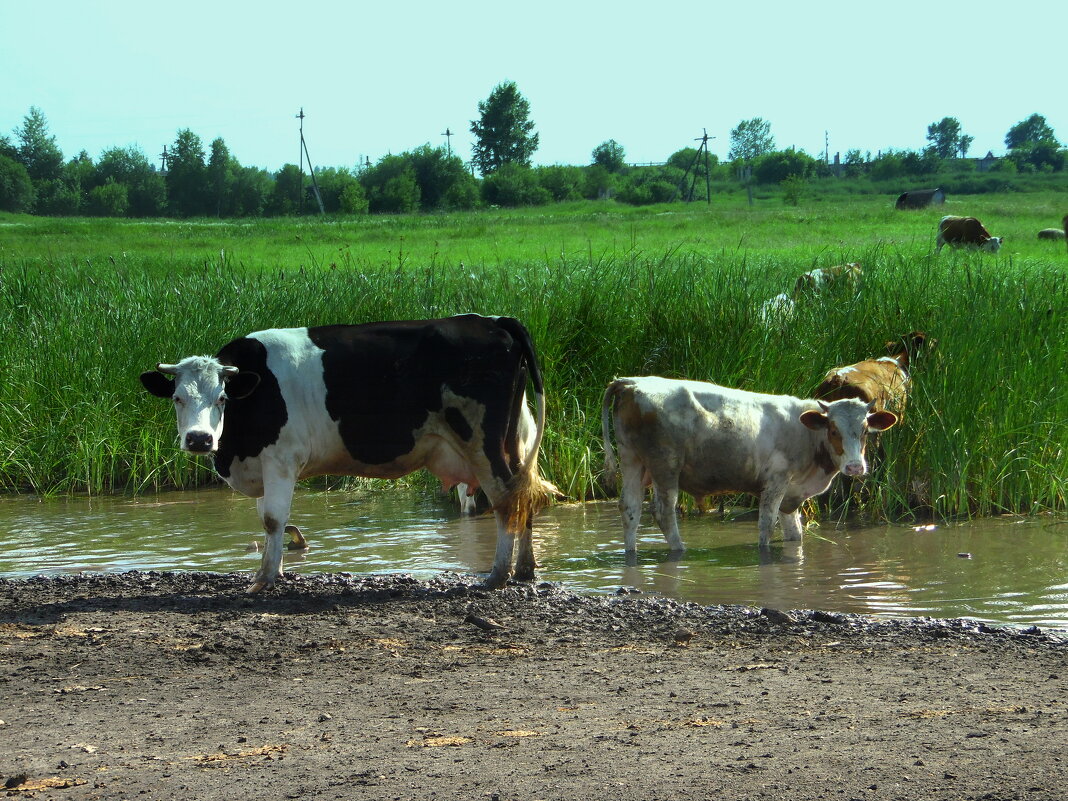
86, 306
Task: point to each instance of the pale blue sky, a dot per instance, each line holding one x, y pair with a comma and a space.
385, 77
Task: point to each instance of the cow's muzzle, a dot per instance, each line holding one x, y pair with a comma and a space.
854, 469
199, 442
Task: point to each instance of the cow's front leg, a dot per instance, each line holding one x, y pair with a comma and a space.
274, 508
502, 561
791, 525
770, 501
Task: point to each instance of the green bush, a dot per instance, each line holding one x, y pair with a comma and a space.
514, 185
16, 188
774, 168
391, 185
109, 200
353, 200
562, 182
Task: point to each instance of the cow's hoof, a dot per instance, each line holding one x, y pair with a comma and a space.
523, 574
297, 543
259, 586
494, 581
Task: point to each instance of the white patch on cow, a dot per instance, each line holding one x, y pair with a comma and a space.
844, 371
777, 310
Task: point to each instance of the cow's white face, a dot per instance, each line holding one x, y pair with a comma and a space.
847, 423
992, 245
199, 390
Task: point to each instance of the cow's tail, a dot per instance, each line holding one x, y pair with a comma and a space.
527, 491
610, 465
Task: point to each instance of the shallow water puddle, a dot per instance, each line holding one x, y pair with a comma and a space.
1002, 570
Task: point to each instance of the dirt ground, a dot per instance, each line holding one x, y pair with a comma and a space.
179, 686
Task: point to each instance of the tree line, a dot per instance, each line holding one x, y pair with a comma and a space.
209, 181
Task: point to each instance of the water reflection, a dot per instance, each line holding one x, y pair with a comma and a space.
1007, 571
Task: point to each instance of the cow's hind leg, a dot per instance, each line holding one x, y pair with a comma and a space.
630, 499
665, 499
524, 554
274, 509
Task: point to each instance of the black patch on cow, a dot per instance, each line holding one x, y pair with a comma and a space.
254, 421
158, 384
454, 417
383, 380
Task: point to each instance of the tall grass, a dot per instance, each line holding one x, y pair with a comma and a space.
84, 310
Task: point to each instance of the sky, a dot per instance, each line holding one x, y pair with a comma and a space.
375, 78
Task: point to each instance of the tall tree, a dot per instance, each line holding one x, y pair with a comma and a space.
946, 138
751, 138
37, 150
220, 177
504, 134
609, 154
1032, 131
187, 187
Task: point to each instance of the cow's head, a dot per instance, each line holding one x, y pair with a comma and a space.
847, 423
200, 387
993, 244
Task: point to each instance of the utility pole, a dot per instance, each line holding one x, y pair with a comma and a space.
163, 160
826, 148
703, 139
311, 169
300, 185
448, 141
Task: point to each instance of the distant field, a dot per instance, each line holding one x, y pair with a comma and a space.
86, 305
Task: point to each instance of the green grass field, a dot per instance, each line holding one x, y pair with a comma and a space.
606, 290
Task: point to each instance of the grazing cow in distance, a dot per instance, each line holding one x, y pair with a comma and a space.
706, 439
1064, 222
1051, 233
378, 400
920, 199
824, 277
780, 309
883, 382
965, 232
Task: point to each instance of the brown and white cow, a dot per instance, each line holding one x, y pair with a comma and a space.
965, 232
705, 439
378, 400
883, 381
824, 277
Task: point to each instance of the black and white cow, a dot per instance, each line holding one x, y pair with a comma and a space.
706, 439
378, 400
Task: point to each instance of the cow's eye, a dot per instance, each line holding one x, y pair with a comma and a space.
178, 401
221, 401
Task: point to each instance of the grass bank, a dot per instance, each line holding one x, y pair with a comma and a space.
606, 291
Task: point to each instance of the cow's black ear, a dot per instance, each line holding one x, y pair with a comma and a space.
158, 384
242, 385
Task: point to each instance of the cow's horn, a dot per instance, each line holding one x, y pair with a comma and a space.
871, 405
169, 369
229, 370
823, 405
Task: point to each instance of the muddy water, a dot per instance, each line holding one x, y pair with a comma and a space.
1003, 571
